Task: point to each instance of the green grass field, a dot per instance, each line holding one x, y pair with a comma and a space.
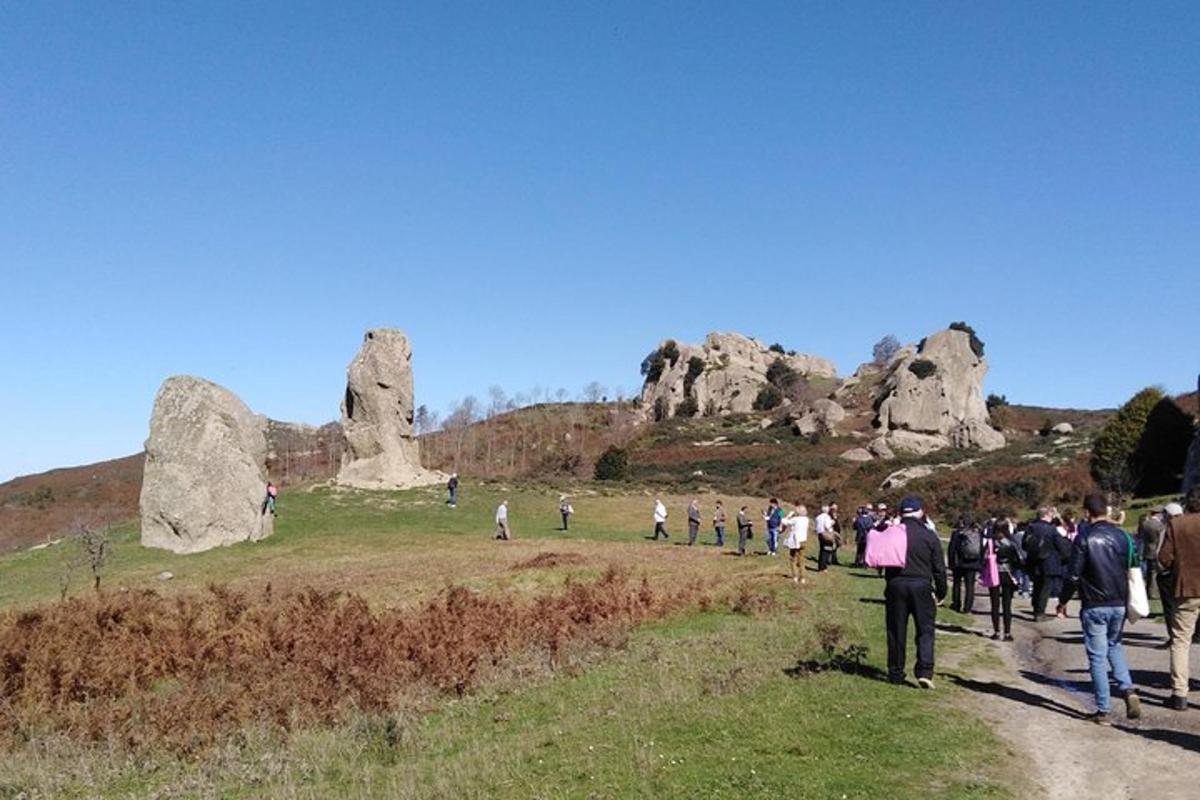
698, 705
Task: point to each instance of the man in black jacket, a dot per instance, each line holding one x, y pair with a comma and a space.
910, 592
1100, 561
1041, 559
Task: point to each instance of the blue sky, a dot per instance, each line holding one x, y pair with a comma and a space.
538, 193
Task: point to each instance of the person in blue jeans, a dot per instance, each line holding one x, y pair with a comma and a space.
773, 516
1100, 560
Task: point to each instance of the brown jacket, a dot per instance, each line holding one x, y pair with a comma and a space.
1181, 553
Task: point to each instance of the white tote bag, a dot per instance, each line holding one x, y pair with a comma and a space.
1138, 605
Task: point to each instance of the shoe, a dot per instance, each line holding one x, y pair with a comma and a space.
795, 580
1099, 718
925, 683
996, 636
1177, 703
1163, 645
1008, 637
1133, 705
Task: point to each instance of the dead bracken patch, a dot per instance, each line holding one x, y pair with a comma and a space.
140, 670
551, 559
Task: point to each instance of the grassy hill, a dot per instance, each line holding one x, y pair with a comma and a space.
744, 685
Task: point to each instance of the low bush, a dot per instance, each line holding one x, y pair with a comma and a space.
612, 464
137, 670
768, 397
688, 407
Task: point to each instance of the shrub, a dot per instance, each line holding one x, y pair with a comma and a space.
1113, 467
776, 348
884, 350
660, 409
612, 464
688, 407
1161, 452
922, 368
995, 401
670, 351
768, 397
653, 366
976, 342
695, 368
781, 375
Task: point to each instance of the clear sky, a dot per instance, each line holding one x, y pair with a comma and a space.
538, 193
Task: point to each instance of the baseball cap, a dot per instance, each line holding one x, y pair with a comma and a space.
911, 504
1173, 509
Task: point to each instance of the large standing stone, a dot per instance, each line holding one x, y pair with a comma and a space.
933, 397
381, 451
205, 477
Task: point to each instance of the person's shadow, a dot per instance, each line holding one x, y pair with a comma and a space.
1014, 693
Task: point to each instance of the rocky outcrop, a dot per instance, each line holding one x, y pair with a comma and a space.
205, 476
1063, 429
821, 417
721, 376
932, 396
858, 454
380, 449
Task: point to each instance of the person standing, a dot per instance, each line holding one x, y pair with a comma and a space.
965, 554
825, 538
1180, 554
565, 509
836, 516
1042, 559
863, 522
745, 529
911, 591
796, 525
773, 516
660, 519
693, 514
1008, 560
452, 490
502, 530
1100, 560
719, 523
269, 501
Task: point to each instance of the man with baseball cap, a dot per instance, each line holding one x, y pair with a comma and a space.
910, 592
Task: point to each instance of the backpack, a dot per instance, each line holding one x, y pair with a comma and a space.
970, 545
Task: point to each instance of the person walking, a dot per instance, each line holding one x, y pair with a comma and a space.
719, 523
745, 529
660, 519
452, 490
693, 514
269, 500
1042, 559
1101, 557
826, 538
773, 516
1166, 584
999, 544
864, 520
836, 516
565, 509
965, 554
911, 591
1180, 554
796, 525
502, 530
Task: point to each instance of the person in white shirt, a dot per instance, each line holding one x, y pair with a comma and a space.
825, 538
502, 529
796, 525
660, 519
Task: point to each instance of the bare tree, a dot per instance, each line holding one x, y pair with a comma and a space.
885, 349
498, 401
593, 392
421, 419
560, 395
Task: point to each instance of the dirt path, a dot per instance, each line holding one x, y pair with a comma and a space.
1037, 701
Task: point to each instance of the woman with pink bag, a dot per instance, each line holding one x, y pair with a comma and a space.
1000, 560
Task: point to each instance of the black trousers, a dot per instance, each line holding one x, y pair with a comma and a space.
1041, 593
565, 517
660, 528
860, 553
1001, 597
904, 598
824, 557
693, 532
964, 593
743, 535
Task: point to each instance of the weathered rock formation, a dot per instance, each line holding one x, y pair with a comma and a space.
205, 476
820, 417
932, 397
722, 376
380, 449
